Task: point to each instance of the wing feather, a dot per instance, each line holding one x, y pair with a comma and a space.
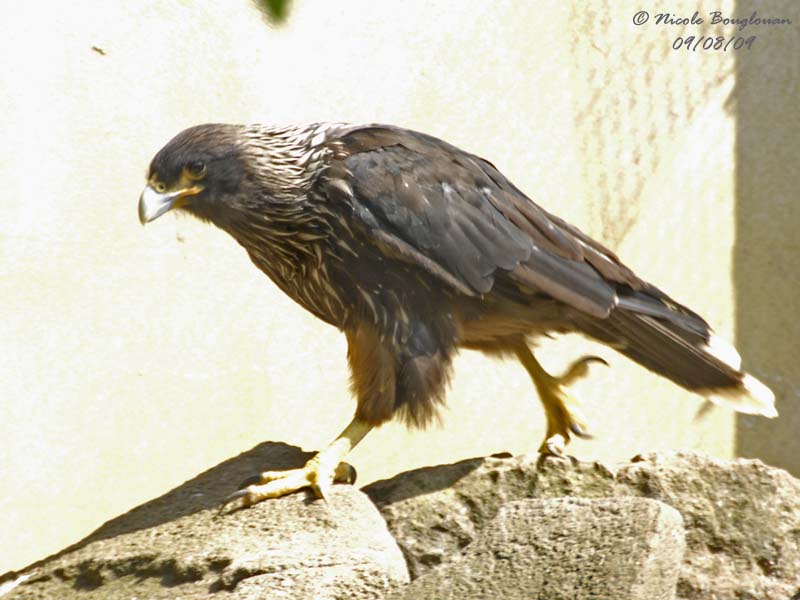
456, 216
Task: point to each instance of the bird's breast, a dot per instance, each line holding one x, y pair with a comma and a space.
305, 279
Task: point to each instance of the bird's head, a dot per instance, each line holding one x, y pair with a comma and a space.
199, 170
216, 172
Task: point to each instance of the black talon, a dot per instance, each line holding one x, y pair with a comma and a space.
593, 358
579, 368
254, 480
232, 498
583, 363
345, 473
580, 432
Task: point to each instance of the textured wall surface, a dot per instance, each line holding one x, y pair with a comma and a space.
134, 358
767, 253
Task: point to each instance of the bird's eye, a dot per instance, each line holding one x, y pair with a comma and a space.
195, 169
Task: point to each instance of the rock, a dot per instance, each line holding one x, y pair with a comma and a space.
742, 518
494, 527
177, 547
565, 549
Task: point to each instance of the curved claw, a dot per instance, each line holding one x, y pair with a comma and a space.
553, 446
236, 495
254, 480
242, 493
578, 430
345, 473
580, 368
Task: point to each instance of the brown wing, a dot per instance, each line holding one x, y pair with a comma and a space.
453, 214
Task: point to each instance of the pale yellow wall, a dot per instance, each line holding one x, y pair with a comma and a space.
134, 358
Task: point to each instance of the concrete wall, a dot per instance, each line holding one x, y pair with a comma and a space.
766, 259
133, 359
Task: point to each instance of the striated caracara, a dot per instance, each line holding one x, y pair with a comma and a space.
414, 249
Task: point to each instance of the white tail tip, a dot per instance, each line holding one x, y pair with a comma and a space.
723, 351
750, 397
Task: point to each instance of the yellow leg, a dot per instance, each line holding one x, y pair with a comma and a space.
319, 473
564, 415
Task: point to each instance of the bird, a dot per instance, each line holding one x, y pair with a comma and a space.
415, 249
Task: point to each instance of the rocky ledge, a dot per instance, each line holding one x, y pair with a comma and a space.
662, 526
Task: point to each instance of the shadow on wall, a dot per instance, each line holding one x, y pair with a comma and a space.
767, 251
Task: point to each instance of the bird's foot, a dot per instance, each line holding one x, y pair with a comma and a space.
564, 415
317, 474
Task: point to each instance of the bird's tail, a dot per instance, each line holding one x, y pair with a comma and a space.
672, 341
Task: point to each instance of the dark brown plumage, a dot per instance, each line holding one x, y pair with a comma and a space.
415, 248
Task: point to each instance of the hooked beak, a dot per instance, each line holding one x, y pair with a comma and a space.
153, 204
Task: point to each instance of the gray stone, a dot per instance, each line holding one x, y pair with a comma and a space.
742, 518
474, 527
565, 549
177, 547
